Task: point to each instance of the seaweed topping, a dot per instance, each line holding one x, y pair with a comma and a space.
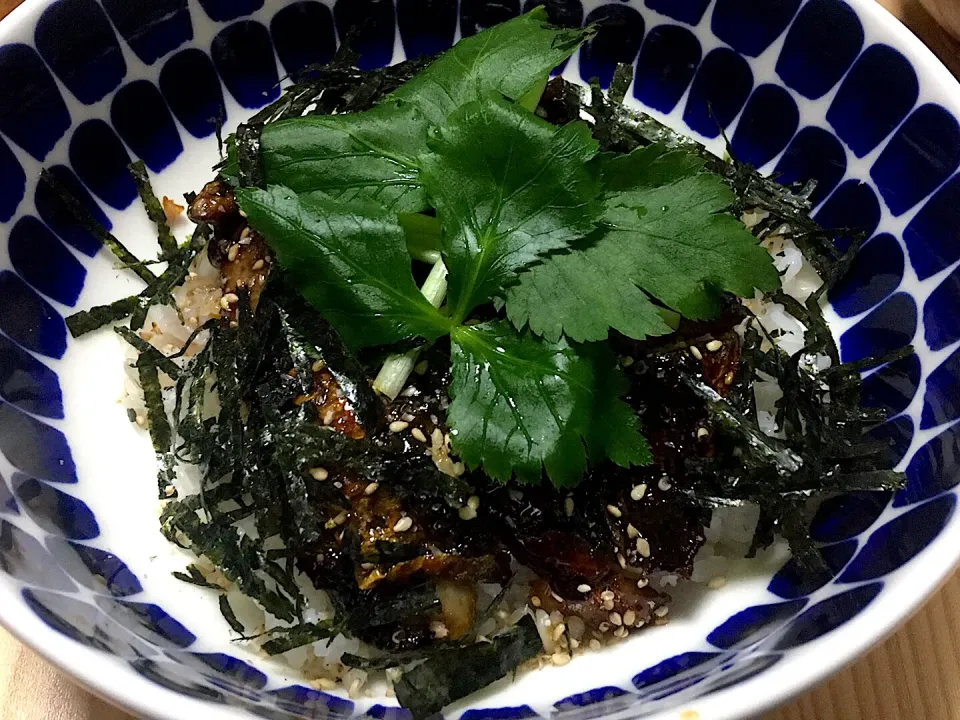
155, 211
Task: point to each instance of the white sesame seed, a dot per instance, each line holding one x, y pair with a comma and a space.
595, 644
535, 601
695, 351
568, 507
615, 618
629, 617
231, 298
319, 473
714, 345
224, 303
556, 597
371, 488
608, 604
626, 361
702, 433
632, 532
643, 547
574, 643
245, 233
661, 611
141, 420
341, 518
418, 435
664, 483
170, 491
638, 491
403, 524
328, 417
439, 629
258, 265
318, 365
560, 658
622, 560
467, 513
621, 632
642, 583
234, 324
607, 595
473, 502
614, 510
603, 627
398, 426
558, 632
584, 588
717, 582
233, 252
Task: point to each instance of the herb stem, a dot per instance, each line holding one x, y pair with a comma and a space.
397, 368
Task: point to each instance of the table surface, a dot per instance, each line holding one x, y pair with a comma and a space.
913, 674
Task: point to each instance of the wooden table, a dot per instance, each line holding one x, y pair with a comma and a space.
914, 674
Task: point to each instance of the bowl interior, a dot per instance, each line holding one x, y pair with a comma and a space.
810, 89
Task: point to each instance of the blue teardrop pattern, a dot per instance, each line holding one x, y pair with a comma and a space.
889, 327
934, 469
800, 577
820, 47
893, 545
853, 206
671, 668
875, 273
665, 68
171, 676
719, 91
519, 712
151, 29
24, 558
32, 111
27, 383
13, 182
369, 27
147, 621
227, 10
426, 27
141, 117
478, 15
750, 27
42, 260
893, 386
243, 55
197, 104
619, 35
100, 160
921, 155
593, 697
897, 433
741, 671
34, 447
766, 127
826, 616
686, 11
8, 503
300, 699
60, 219
875, 97
226, 669
82, 622
748, 626
93, 568
931, 235
845, 516
941, 403
813, 154
303, 35
54, 510
941, 321
29, 320
76, 40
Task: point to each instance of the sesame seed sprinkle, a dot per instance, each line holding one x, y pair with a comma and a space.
398, 426
643, 547
614, 510
418, 434
662, 611
621, 560
467, 513
629, 617
568, 507
702, 433
560, 658
642, 583
473, 502
621, 632
695, 351
319, 473
664, 483
535, 601
595, 644
318, 365
632, 532
607, 595
403, 524
638, 491
233, 252
584, 588
371, 488
714, 345
258, 265
717, 582
615, 618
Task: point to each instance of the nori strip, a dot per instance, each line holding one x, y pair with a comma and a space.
168, 244
160, 433
230, 616
453, 674
193, 576
85, 321
381, 609
249, 162
87, 221
150, 353
298, 636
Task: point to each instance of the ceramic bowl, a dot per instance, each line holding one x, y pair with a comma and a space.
825, 89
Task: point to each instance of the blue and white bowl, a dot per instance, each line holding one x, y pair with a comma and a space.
825, 89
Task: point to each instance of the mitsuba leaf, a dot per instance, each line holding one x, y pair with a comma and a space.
508, 188
511, 58
664, 236
521, 404
370, 155
349, 263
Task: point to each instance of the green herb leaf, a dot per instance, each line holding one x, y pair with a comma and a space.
666, 235
511, 58
508, 188
520, 404
364, 156
352, 265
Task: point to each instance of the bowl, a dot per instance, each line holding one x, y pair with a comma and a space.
828, 90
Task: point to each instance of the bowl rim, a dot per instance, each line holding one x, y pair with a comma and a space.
112, 680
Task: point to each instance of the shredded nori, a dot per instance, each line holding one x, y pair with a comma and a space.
85, 321
168, 244
194, 576
160, 432
249, 161
227, 611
